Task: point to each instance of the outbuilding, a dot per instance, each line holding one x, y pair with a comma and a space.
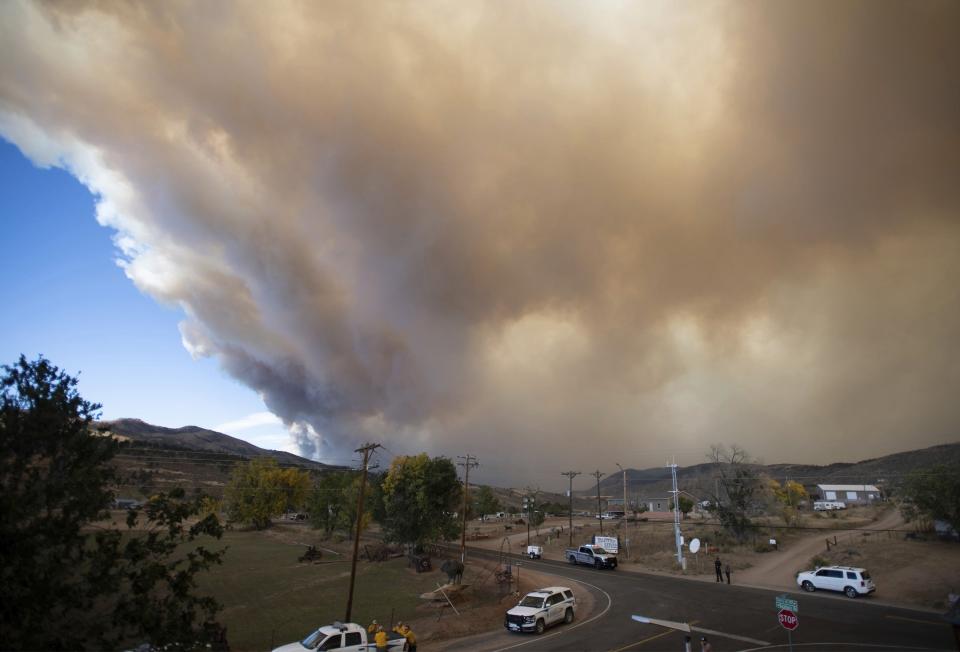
851, 494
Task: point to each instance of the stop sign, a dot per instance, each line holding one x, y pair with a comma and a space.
788, 619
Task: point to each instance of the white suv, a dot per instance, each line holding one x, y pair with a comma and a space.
543, 607
852, 581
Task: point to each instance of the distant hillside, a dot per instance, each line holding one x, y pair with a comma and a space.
699, 479
193, 438
191, 458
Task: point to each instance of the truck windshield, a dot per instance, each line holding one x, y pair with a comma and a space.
311, 641
531, 601
597, 550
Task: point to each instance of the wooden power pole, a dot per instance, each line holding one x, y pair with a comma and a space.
597, 474
571, 475
366, 450
468, 461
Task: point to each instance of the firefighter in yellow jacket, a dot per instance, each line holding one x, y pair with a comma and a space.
372, 627
381, 640
411, 639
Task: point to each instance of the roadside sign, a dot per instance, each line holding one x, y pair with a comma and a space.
783, 602
788, 619
610, 544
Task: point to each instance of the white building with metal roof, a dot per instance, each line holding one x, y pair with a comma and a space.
858, 494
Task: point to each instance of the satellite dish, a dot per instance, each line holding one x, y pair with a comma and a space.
695, 546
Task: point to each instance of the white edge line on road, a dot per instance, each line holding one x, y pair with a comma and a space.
713, 632
538, 639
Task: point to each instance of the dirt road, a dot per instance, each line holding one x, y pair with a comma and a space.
779, 570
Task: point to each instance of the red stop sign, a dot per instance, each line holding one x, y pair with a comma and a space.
788, 619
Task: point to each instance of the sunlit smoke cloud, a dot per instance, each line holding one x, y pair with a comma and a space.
546, 234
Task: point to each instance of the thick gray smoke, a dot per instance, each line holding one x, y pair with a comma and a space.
554, 235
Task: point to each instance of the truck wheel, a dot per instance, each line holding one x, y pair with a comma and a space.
568, 617
851, 592
572, 559
808, 586
540, 626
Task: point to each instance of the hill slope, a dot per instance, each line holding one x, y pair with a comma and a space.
197, 439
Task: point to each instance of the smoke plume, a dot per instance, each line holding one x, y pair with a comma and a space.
553, 235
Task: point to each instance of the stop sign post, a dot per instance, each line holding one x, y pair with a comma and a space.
788, 619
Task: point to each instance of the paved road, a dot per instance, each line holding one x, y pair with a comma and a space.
732, 617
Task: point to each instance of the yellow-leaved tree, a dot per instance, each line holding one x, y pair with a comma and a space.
789, 495
260, 490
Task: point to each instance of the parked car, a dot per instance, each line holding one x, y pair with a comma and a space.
540, 609
852, 581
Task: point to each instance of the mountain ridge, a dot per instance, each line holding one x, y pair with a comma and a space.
199, 439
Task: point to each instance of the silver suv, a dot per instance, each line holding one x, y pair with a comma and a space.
852, 581
543, 607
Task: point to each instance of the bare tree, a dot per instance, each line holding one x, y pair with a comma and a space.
736, 485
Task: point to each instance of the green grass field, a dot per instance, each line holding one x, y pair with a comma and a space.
270, 599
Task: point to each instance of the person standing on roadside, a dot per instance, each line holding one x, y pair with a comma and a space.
719, 568
726, 570
381, 639
411, 638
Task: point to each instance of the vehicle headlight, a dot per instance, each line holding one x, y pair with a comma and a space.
528, 619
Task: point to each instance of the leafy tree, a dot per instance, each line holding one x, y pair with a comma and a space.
789, 495
260, 490
933, 493
485, 501
686, 505
67, 586
328, 502
738, 484
420, 497
333, 503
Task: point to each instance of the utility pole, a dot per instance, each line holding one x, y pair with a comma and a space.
624, 491
366, 450
676, 514
529, 502
571, 475
624, 507
597, 475
468, 461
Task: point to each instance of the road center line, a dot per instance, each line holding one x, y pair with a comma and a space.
649, 638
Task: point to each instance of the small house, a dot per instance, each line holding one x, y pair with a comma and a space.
656, 504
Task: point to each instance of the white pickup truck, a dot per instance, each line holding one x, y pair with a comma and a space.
591, 555
346, 637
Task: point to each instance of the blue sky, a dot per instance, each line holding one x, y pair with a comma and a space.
65, 297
